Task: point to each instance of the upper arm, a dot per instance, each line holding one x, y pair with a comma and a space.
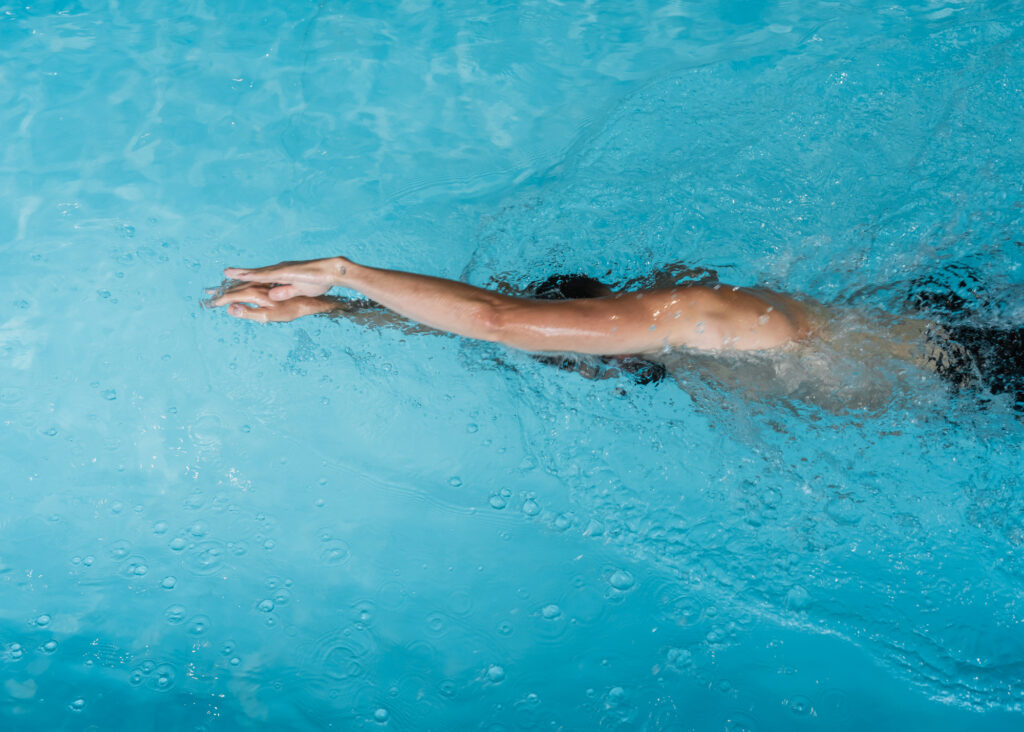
696, 316
637, 322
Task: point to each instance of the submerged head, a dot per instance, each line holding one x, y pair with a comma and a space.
568, 287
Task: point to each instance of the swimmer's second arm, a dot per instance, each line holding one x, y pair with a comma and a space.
627, 323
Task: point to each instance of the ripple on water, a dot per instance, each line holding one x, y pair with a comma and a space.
391, 596
740, 723
550, 623
459, 603
198, 624
133, 567
155, 675
621, 580
206, 432
341, 654
334, 551
436, 625
175, 614
681, 607
120, 549
206, 557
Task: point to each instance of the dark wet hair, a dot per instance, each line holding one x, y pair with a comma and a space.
567, 287
968, 354
582, 287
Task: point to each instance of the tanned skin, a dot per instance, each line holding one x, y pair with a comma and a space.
703, 316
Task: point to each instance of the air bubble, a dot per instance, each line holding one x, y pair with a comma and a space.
168, 583
621, 580
334, 551
797, 598
175, 614
206, 558
455, 481
198, 624
436, 624
110, 395
50, 646
163, 679
177, 544
133, 567
120, 549
495, 674
381, 716
551, 612
160, 527
43, 620
77, 705
800, 705
531, 507
497, 502
265, 606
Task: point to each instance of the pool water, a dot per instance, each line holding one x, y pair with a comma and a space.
213, 524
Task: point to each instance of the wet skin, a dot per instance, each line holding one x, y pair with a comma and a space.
707, 317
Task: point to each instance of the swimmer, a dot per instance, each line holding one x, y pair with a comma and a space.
637, 331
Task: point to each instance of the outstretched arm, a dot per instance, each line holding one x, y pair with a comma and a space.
597, 326
636, 322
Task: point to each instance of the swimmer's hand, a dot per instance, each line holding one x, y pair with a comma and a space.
310, 278
253, 301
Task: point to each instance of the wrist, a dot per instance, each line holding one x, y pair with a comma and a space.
343, 271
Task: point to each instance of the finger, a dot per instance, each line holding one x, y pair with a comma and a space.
230, 286
283, 292
250, 275
255, 295
305, 289
246, 313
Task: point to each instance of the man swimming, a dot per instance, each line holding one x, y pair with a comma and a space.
639, 330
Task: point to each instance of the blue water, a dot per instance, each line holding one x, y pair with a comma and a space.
211, 524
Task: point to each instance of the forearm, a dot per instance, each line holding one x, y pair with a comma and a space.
439, 303
367, 312
596, 326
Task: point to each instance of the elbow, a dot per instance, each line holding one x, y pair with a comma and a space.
490, 321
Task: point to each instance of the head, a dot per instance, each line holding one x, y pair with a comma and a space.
568, 287
581, 287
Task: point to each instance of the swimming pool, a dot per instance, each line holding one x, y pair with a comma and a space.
211, 524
